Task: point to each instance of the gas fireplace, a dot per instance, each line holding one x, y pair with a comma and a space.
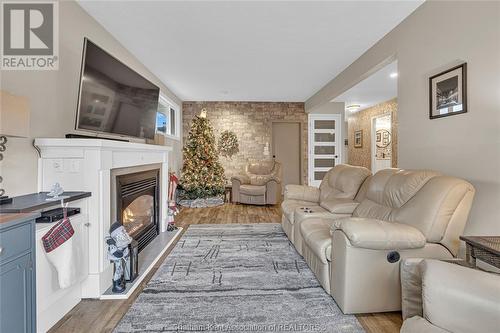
137, 196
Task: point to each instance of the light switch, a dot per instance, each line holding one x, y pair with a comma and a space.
58, 165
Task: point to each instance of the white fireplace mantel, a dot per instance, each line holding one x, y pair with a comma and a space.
86, 165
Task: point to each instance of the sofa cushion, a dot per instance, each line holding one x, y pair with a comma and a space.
342, 181
316, 235
263, 167
380, 235
340, 206
253, 189
289, 207
260, 179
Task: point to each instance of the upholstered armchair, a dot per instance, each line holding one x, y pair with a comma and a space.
440, 297
260, 185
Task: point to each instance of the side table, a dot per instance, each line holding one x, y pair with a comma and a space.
484, 248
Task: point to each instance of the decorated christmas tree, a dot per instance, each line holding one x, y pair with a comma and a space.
202, 175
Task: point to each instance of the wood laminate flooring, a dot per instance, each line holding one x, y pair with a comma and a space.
103, 316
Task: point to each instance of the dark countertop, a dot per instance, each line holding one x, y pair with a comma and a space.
35, 201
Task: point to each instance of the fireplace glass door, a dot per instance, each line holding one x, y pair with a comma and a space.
139, 214
137, 205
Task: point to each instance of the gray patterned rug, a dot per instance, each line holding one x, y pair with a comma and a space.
235, 278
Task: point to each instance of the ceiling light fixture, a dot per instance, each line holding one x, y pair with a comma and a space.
352, 107
394, 75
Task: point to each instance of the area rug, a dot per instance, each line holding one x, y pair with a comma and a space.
235, 278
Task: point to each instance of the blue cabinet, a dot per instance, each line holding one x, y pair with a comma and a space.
17, 273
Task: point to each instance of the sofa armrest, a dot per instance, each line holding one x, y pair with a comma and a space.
460, 299
340, 206
302, 192
420, 325
411, 288
242, 179
379, 235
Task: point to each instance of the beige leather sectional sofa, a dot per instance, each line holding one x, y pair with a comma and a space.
394, 214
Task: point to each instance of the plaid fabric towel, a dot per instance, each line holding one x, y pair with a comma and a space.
57, 235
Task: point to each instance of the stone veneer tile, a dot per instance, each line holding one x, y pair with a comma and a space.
252, 123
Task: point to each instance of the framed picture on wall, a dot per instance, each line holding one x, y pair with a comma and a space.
358, 139
448, 92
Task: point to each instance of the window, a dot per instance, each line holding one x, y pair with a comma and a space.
167, 118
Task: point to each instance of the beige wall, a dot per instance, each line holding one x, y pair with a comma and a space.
252, 123
362, 120
438, 35
53, 95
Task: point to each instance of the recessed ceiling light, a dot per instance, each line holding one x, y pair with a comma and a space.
394, 75
352, 107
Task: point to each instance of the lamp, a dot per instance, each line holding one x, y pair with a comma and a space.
14, 122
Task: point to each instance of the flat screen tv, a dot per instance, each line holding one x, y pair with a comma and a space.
113, 98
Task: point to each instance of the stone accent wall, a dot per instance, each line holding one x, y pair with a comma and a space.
252, 123
362, 121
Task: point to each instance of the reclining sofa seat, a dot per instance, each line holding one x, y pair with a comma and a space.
405, 214
337, 196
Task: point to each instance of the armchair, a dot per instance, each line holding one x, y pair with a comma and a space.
443, 297
260, 185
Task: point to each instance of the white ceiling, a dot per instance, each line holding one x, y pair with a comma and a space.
377, 88
248, 50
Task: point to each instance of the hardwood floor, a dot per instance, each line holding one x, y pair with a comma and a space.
103, 316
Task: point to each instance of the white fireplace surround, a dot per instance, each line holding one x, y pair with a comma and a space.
89, 165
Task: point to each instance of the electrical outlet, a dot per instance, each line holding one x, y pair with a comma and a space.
71, 166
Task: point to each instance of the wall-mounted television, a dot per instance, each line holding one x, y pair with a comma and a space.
113, 98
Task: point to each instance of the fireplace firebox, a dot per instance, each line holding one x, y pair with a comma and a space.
137, 196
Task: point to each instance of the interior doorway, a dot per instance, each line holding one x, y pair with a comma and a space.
286, 149
325, 150
381, 142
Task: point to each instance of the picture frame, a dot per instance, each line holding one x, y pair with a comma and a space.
448, 92
358, 139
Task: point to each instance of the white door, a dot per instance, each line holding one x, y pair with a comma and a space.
325, 149
381, 147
